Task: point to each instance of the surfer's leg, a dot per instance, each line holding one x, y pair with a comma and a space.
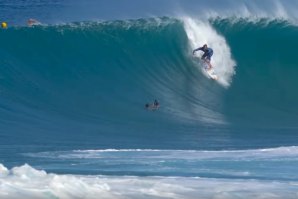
208, 60
210, 66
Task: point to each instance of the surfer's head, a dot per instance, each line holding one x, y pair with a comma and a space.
205, 46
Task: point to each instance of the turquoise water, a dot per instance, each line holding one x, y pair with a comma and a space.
73, 95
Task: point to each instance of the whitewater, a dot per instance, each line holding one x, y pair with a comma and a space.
73, 90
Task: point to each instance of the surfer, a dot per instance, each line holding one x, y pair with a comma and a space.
208, 52
32, 22
153, 106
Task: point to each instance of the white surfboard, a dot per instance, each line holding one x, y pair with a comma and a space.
211, 73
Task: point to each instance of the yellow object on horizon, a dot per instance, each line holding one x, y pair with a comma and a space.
4, 25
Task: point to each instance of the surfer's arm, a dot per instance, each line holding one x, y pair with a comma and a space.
193, 52
204, 56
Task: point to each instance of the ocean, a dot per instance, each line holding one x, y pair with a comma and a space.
73, 90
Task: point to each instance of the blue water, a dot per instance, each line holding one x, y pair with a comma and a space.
73, 90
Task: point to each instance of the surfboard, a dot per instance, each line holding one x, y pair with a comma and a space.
211, 73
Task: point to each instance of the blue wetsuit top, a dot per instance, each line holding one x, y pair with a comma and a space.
207, 53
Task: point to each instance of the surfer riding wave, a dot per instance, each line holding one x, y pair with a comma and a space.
206, 57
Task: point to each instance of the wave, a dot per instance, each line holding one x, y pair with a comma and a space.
279, 151
261, 164
32, 183
74, 68
84, 86
99, 75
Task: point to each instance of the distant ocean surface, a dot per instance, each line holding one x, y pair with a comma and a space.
72, 96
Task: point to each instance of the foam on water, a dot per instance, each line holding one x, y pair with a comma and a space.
200, 33
27, 182
270, 164
291, 151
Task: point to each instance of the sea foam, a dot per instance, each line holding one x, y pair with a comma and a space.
27, 182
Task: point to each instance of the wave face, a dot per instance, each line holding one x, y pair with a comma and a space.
262, 90
84, 85
89, 81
